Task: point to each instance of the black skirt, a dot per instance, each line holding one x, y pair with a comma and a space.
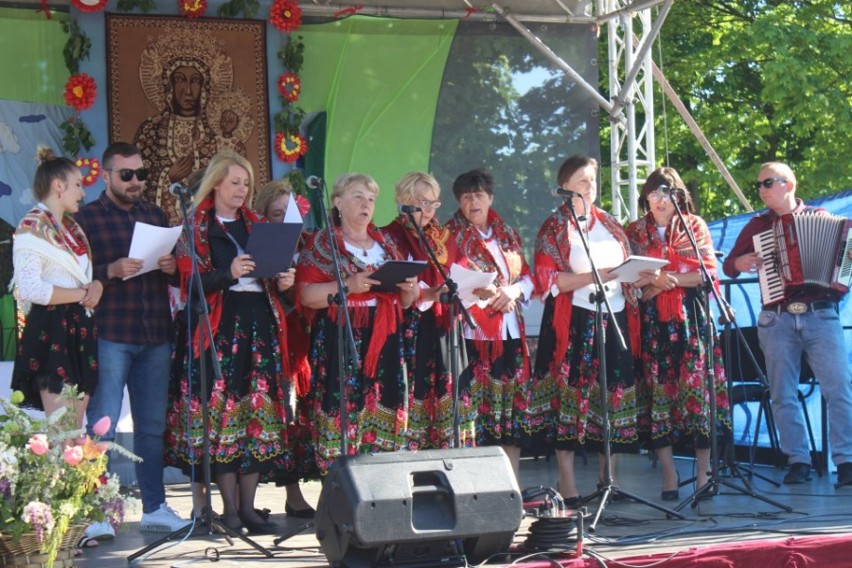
58, 347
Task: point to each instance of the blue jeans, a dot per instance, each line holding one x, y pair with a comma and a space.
818, 335
145, 369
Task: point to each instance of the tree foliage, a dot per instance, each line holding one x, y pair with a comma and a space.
766, 80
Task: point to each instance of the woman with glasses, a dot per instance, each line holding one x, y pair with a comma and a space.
567, 361
427, 323
499, 371
375, 398
673, 402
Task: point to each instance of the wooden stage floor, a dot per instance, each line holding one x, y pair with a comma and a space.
625, 529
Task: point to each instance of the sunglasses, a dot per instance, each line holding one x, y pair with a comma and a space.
126, 174
768, 183
656, 196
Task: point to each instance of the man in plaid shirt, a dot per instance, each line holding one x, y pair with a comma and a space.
135, 330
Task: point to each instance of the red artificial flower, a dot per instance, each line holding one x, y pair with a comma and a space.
80, 91
290, 86
285, 15
290, 147
303, 204
89, 5
91, 169
192, 8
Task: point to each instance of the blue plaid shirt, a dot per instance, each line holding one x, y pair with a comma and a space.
134, 311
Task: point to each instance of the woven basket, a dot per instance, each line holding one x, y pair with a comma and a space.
27, 551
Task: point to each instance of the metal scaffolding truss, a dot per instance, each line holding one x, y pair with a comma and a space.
631, 31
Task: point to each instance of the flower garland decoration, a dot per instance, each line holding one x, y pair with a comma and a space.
290, 86
290, 146
91, 169
192, 8
80, 91
285, 15
89, 5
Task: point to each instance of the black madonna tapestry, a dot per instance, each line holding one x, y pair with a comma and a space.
184, 89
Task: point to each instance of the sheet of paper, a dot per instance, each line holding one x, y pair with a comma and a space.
628, 271
469, 280
292, 214
150, 242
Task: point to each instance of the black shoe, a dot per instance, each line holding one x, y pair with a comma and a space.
844, 475
671, 495
263, 527
799, 473
573, 502
299, 513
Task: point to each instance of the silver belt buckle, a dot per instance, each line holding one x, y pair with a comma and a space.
797, 308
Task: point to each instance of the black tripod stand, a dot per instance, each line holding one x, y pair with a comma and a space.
606, 490
705, 290
213, 524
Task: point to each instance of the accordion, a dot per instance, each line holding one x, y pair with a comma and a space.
804, 249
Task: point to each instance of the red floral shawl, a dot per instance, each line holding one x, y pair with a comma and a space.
677, 249
316, 266
552, 256
404, 235
472, 246
203, 218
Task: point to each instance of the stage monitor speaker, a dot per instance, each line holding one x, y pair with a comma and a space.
427, 508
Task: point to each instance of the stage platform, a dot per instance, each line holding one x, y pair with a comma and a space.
727, 530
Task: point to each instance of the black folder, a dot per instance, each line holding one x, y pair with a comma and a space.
272, 246
393, 272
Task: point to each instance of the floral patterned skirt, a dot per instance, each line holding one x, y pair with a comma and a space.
576, 408
500, 393
672, 395
376, 408
251, 409
427, 354
58, 347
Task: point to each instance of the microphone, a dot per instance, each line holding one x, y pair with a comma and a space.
559, 192
181, 191
408, 208
313, 182
671, 191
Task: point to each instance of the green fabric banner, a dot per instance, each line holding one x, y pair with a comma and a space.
32, 62
378, 80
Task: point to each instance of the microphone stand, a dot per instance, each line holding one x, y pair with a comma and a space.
729, 457
606, 490
705, 290
212, 523
451, 299
345, 336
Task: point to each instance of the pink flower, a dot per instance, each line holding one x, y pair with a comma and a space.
73, 455
101, 427
38, 444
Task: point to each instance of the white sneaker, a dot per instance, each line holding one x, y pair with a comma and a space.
164, 519
102, 530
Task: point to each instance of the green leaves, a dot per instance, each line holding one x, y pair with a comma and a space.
130, 5
232, 9
77, 47
75, 134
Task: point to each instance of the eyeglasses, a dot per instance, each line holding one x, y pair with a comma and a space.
126, 174
656, 196
427, 205
768, 182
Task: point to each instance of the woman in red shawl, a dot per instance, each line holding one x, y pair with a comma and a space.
250, 407
375, 393
566, 364
671, 393
427, 323
499, 368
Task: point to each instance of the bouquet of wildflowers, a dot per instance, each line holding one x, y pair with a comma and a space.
52, 477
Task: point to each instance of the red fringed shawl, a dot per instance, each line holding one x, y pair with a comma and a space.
677, 249
552, 256
203, 217
473, 247
316, 267
404, 236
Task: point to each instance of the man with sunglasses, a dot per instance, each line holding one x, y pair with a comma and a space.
804, 323
134, 322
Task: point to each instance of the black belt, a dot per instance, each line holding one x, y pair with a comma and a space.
796, 308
